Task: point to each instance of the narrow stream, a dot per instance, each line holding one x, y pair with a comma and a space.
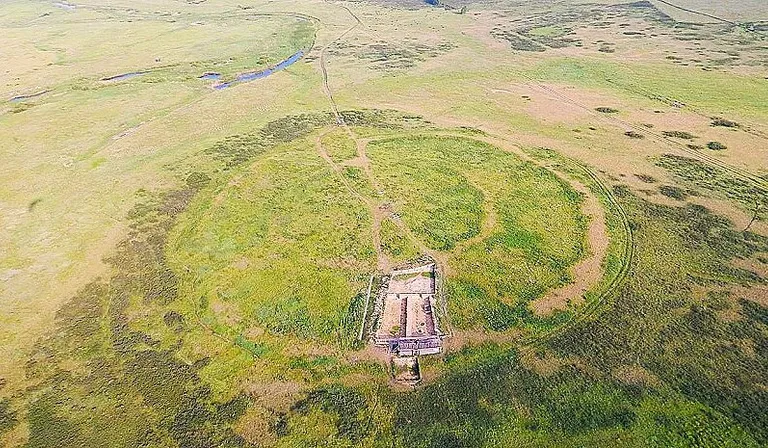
250, 76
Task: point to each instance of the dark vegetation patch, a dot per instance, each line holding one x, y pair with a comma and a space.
702, 175
33, 204
8, 418
716, 146
516, 41
96, 368
606, 49
656, 321
646, 178
679, 134
694, 147
724, 123
673, 192
347, 405
634, 134
237, 149
607, 110
541, 28
392, 56
21, 107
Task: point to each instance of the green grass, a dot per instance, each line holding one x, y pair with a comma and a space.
716, 181
395, 244
658, 367
285, 244
436, 201
138, 358
714, 92
339, 145
443, 187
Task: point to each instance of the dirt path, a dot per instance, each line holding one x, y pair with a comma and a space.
375, 209
324, 68
700, 13
589, 270
489, 223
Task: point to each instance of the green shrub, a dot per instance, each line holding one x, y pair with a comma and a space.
716, 146
679, 134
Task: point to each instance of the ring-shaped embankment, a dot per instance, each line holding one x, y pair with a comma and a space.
287, 246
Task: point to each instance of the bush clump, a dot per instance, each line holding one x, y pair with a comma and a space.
607, 110
679, 134
716, 146
724, 123
633, 134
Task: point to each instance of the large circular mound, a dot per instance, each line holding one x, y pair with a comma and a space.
288, 244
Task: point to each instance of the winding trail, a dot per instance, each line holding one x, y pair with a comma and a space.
376, 211
376, 206
586, 272
490, 220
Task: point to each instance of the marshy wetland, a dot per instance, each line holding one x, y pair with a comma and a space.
201, 200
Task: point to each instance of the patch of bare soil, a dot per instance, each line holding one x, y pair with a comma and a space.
369, 353
466, 338
546, 103
276, 395
588, 271
543, 365
757, 294
753, 265
256, 427
226, 312
241, 263
635, 375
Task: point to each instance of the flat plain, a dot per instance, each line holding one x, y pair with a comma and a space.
195, 196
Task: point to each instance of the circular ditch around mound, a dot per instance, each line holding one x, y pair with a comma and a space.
287, 245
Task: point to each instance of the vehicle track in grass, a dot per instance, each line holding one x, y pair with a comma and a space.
698, 13
324, 67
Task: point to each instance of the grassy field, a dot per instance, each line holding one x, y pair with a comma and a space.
449, 190
182, 266
283, 247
